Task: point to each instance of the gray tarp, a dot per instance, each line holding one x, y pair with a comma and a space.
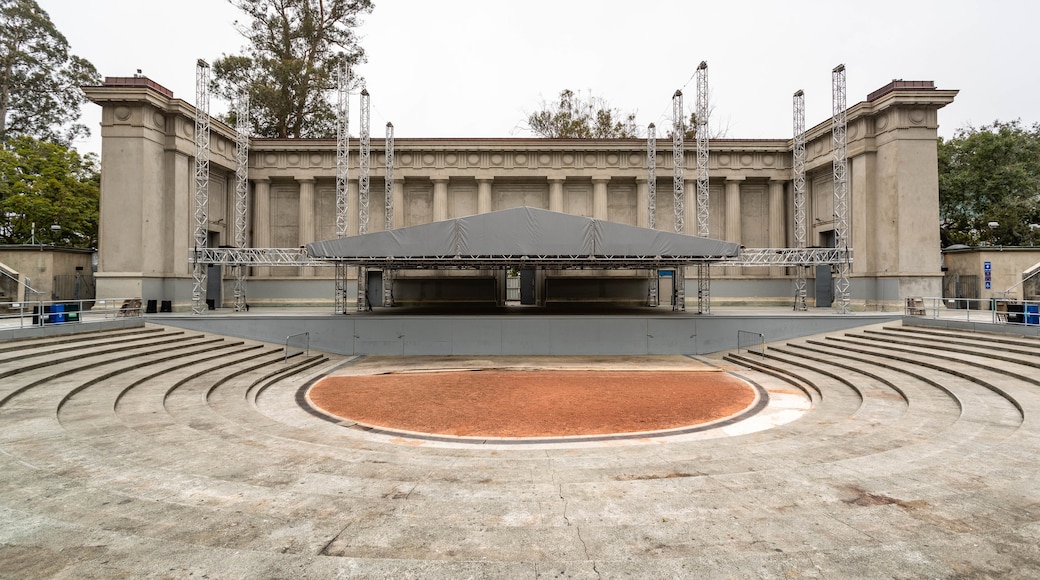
523, 231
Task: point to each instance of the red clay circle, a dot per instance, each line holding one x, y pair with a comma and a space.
508, 403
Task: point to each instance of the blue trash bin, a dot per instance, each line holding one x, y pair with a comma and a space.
57, 313
1032, 313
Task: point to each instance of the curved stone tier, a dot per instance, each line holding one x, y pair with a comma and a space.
159, 452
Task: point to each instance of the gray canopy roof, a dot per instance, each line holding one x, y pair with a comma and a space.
522, 233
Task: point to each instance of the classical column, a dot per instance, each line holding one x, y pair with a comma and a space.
306, 219
599, 197
777, 231
261, 219
440, 199
399, 210
484, 195
556, 193
642, 199
353, 203
733, 233
733, 209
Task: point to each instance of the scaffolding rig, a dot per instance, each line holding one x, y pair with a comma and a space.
678, 195
653, 299
702, 150
799, 197
839, 138
703, 195
202, 128
342, 166
241, 191
388, 275
364, 153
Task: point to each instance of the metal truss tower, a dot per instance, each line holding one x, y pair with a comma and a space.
363, 164
202, 126
839, 137
653, 297
678, 163
702, 150
389, 176
241, 191
388, 282
703, 196
799, 197
679, 193
342, 165
651, 176
364, 158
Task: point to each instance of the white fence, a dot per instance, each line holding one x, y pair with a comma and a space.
27, 314
990, 310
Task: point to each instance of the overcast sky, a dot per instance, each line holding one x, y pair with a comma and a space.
475, 68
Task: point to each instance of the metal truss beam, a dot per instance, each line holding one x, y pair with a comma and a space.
202, 131
299, 257
255, 257
703, 207
788, 257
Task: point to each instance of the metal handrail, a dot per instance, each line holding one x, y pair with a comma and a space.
759, 339
306, 345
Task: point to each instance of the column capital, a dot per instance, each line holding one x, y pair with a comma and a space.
556, 179
735, 178
304, 179
600, 178
260, 179
439, 179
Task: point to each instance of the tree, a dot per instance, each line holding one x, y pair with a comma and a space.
40, 81
47, 184
289, 65
990, 174
577, 117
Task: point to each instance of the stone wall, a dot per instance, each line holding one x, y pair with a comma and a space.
147, 179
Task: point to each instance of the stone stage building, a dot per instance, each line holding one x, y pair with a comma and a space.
147, 219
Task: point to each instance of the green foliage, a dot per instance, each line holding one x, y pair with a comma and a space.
40, 81
47, 184
289, 64
990, 174
575, 117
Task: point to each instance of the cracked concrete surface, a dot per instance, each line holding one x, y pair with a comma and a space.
867, 462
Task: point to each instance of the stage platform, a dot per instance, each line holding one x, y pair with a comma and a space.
565, 330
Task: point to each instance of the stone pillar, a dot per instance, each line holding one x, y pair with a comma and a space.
398, 196
484, 195
642, 199
353, 207
306, 217
733, 233
777, 221
733, 209
599, 197
440, 199
556, 194
261, 220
